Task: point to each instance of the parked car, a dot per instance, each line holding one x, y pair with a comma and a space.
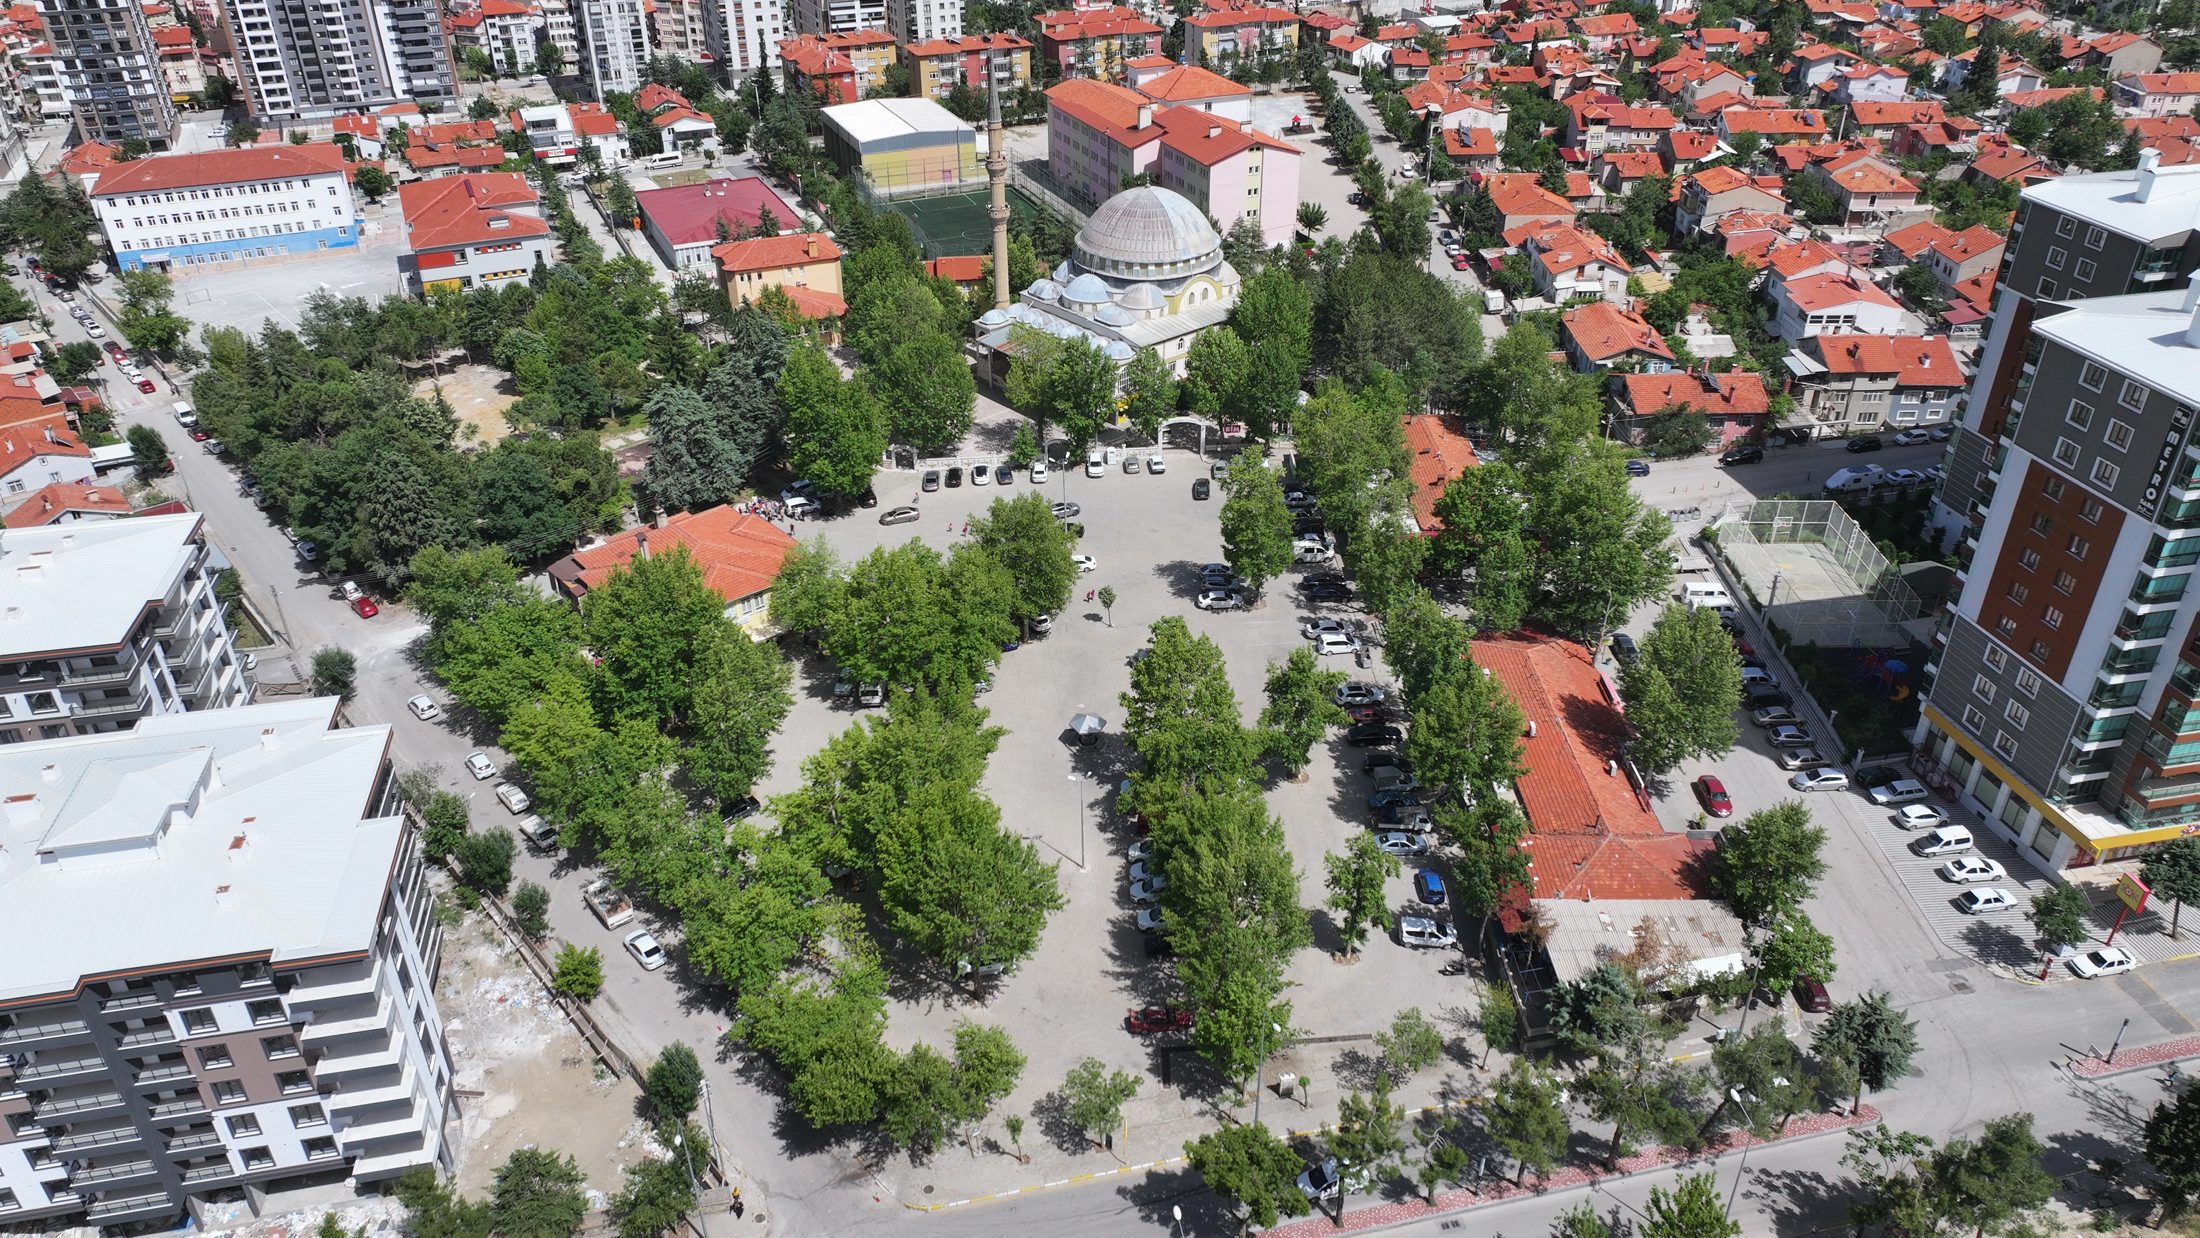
1747, 453
1130, 464
364, 607
540, 834
1328, 591
1067, 511
1428, 886
1320, 1182
1819, 780
1965, 869
1774, 715
642, 944
1398, 797
1811, 995
1623, 647
1374, 763
1900, 791
1801, 758
1155, 464
1865, 442
1788, 737
1151, 1019
1358, 692
1425, 933
1714, 796
1912, 437
1316, 627
931, 480
1920, 817
1765, 696
514, 800
1409, 817
480, 766
1992, 898
1638, 468
1402, 844
1219, 599
1200, 490
898, 515
1085, 563
424, 708
1902, 477
2107, 961
1947, 840
1003, 475
1335, 642
954, 476
1149, 890
1038, 471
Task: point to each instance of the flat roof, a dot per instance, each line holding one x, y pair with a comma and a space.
195, 836
880, 120
1588, 932
2111, 199
2141, 334
85, 584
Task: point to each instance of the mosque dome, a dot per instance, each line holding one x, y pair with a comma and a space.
1043, 290
1086, 289
1147, 233
1114, 316
1141, 297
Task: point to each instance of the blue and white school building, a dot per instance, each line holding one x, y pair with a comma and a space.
173, 212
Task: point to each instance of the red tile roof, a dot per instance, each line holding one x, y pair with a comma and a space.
1776, 122
221, 167
2161, 83
656, 95
1973, 241
1917, 238
2007, 163
474, 209
1736, 393
1440, 453
813, 302
769, 253
1905, 112
1816, 292
1475, 142
52, 503
1518, 194
963, 269
1072, 25
28, 440
1602, 330
740, 554
1915, 360
1861, 172
968, 43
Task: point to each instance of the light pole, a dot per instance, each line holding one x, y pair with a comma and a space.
1261, 1067
1176, 1213
1735, 1094
1078, 777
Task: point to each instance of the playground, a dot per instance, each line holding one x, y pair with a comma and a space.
1817, 577
955, 223
1871, 693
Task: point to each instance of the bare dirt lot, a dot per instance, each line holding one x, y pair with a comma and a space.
479, 395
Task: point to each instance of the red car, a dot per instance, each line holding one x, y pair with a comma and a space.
365, 608
114, 350
1157, 1019
1458, 262
1370, 713
197, 435
145, 385
1713, 794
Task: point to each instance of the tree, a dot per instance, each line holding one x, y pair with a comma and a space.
148, 451
1681, 689
905, 617
1356, 881
836, 430
1093, 1098
1676, 432
1768, 863
1079, 391
1181, 717
1302, 707
1995, 1182
1482, 536
549, 59
1582, 1221
1600, 1009
437, 1211
1025, 538
1421, 643
1527, 1120
2172, 871
1106, 597
1149, 393
1639, 1093
2058, 916
957, 886
1368, 1134
928, 391
1763, 1066
2172, 1141
918, 1100
674, 1085
1692, 1209
1466, 732
333, 671
1602, 551
1791, 947
372, 181
1313, 217
531, 908
649, 625
658, 1192
578, 972
1895, 1192
742, 692
485, 860
695, 460
1248, 1164
75, 361
1411, 1044
1880, 1041
1256, 526
537, 1194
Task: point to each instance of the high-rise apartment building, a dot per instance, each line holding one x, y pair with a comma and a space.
2066, 690
743, 36
841, 16
615, 47
106, 623
312, 59
220, 968
922, 21
109, 70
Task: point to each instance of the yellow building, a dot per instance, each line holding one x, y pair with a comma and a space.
902, 144
804, 265
937, 66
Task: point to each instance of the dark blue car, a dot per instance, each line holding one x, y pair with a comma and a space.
1428, 887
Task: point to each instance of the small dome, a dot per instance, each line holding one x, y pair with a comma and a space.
993, 318
1115, 316
1117, 350
1064, 273
1141, 297
1227, 276
1145, 233
1044, 290
1086, 289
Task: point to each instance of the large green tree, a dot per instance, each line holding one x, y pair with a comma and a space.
1600, 551
2172, 871
1358, 876
741, 693
1768, 863
2172, 1142
1302, 707
1681, 689
1482, 539
1874, 1037
836, 431
1246, 1162
928, 391
1467, 733
1691, 1209
649, 624
1034, 548
959, 887
537, 1194
1256, 526
1527, 1120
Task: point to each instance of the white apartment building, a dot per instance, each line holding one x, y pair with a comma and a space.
615, 47
312, 59
221, 967
678, 29
505, 31
921, 21
110, 70
559, 31
227, 206
841, 16
108, 623
743, 36
34, 81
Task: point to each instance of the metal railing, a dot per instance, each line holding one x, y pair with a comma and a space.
23, 1033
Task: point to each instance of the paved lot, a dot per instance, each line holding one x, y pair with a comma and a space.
245, 294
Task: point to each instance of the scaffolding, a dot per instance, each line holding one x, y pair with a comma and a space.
1816, 575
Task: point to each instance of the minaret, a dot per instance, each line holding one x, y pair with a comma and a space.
996, 175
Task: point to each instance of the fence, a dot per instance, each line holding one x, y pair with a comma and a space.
1816, 574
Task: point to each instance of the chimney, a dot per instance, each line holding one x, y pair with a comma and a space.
224, 896
22, 810
813, 245
49, 772
662, 520
1145, 115
1213, 131
269, 742
239, 847
643, 538
2150, 163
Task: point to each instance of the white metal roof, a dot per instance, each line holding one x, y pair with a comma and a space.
875, 120
84, 585
2141, 335
2111, 199
195, 836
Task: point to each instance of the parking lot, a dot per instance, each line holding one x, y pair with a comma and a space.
245, 294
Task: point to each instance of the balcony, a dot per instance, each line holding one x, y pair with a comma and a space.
331, 1026
2130, 662
196, 1139
157, 1034
182, 1108
2164, 591
2164, 555
60, 1108
107, 1210
2109, 698
163, 1073
81, 1141
208, 1173
122, 671
41, 1072
135, 999
26, 1033
110, 1173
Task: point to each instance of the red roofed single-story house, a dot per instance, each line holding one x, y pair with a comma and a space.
2009, 165
1735, 403
1621, 170
1601, 335
1440, 452
740, 555
1909, 244
63, 503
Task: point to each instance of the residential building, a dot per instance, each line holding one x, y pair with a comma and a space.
743, 36
64, 502
557, 132
2159, 94
109, 623
614, 44
837, 68
1964, 255
1735, 403
1816, 63
1774, 124
683, 222
560, 30
1869, 83
258, 1005
109, 70
174, 211
1225, 38
902, 145
2014, 77
1096, 42
475, 231
1597, 123
38, 452
740, 556
505, 31
1520, 200
453, 149
923, 21
1602, 336
1831, 302
841, 16
1856, 384
1099, 135
803, 265
1708, 195
1190, 86
1865, 187
1459, 110
678, 28
2006, 164
1567, 262
937, 66
305, 60
2075, 606
180, 67
1882, 119
2116, 54
1441, 451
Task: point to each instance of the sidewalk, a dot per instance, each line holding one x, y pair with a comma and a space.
2136, 1058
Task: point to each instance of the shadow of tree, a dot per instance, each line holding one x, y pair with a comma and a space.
1800, 1201
1057, 1127
1356, 1070
1998, 943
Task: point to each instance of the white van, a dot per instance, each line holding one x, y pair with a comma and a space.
669, 159
1699, 594
1848, 480
1096, 463
186, 416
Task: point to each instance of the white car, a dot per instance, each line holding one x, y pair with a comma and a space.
513, 799
1758, 674
981, 476
1155, 464
1789, 737
1335, 642
1085, 563
1992, 898
1900, 791
1313, 628
1920, 817
642, 944
1149, 919
1423, 933
1819, 780
1774, 715
1219, 599
1141, 870
424, 708
1965, 869
1149, 890
1399, 843
1801, 758
480, 766
1912, 437
1902, 477
2109, 961
1947, 840
1038, 471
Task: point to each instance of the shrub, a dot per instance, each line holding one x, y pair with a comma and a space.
578, 972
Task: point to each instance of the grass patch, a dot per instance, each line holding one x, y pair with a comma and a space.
249, 635
672, 180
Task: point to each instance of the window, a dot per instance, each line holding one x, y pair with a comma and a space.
2066, 225
2017, 715
2018, 593
228, 1092
2086, 268
266, 1010
1996, 658
2080, 415
2028, 683
2095, 237
1973, 720
2090, 511
307, 1115
2065, 583
198, 1022
2133, 395
2007, 626
2079, 548
2005, 744
2052, 617
8, 1201
2052, 488
2029, 557
2056, 257
2040, 650
1983, 688
255, 973
187, 982
2105, 474
243, 1124
2047, 288
2092, 376
319, 1148
2066, 453
2119, 434
213, 1056
291, 1081
279, 1046
257, 1158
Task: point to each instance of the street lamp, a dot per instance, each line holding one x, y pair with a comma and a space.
1176, 1213
1261, 1067
1078, 777
1736, 1094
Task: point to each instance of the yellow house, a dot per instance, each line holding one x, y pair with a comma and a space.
804, 265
